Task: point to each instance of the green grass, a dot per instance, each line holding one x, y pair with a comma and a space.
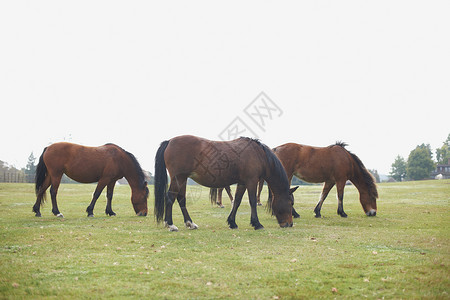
403, 252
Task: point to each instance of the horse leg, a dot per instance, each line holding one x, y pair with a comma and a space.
340, 193
240, 190
98, 191
228, 190
53, 192
258, 195
254, 221
326, 189
40, 197
219, 197
109, 196
181, 198
174, 189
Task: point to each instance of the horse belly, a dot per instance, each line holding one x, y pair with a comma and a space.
315, 176
213, 180
83, 177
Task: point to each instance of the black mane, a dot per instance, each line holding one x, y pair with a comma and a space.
137, 166
275, 165
367, 177
341, 144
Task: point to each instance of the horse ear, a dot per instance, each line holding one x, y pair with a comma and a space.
291, 191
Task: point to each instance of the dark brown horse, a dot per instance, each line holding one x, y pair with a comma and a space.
218, 164
105, 165
333, 165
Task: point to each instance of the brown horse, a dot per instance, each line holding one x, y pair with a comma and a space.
105, 165
333, 165
218, 164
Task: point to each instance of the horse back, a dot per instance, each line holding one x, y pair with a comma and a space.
212, 163
81, 163
315, 164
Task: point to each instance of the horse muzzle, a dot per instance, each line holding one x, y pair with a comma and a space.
286, 225
371, 213
141, 214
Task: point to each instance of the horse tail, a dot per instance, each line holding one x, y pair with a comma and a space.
213, 195
368, 178
161, 182
41, 174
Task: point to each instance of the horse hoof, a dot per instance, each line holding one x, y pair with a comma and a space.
191, 225
91, 216
38, 215
343, 215
233, 226
173, 228
259, 227
60, 215
259, 204
318, 216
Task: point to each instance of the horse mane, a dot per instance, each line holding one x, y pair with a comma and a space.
340, 144
273, 162
272, 159
368, 179
137, 166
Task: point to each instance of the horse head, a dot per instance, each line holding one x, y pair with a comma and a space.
139, 200
369, 204
282, 208
368, 200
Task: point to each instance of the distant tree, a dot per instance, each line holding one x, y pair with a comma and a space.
443, 153
375, 175
30, 169
398, 169
420, 163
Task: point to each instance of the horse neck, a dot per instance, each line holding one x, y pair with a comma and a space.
361, 186
131, 174
275, 182
359, 183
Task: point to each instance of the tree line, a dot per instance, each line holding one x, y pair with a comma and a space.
420, 163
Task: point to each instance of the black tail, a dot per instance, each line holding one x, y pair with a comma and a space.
161, 182
41, 174
213, 195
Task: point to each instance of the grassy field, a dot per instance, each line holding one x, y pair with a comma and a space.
403, 252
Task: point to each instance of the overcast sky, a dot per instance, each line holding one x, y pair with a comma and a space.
375, 74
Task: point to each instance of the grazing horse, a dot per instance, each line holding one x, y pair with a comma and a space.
333, 165
105, 165
218, 164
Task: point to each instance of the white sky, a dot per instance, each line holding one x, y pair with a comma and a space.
375, 74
